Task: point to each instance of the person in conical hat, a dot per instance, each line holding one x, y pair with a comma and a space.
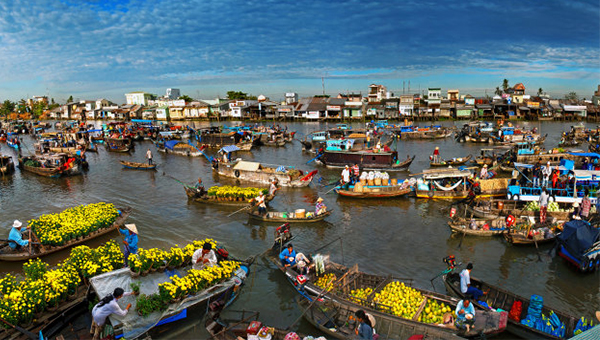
320, 207
131, 241
436, 155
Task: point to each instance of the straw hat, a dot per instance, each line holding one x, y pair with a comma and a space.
17, 224
319, 199
132, 228
485, 165
437, 147
576, 204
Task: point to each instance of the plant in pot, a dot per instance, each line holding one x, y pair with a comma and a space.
35, 269
135, 287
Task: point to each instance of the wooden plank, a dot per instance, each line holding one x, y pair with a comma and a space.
421, 307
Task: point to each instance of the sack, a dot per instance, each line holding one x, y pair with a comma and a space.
223, 253
515, 311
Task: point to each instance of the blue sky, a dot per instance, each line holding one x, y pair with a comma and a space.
93, 49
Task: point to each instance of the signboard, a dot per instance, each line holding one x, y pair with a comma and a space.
333, 108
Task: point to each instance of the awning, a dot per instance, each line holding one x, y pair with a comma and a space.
587, 174
530, 166
248, 166
585, 154
171, 144
229, 148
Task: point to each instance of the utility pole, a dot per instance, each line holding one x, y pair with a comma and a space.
323, 84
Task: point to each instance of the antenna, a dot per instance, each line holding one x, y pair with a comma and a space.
323, 83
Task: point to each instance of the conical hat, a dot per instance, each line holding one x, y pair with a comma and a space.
132, 227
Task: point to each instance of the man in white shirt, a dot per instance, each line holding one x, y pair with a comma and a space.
346, 177
107, 306
465, 283
149, 156
204, 257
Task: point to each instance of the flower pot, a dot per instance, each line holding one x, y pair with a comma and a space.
134, 274
72, 297
162, 268
52, 309
145, 272
140, 313
27, 323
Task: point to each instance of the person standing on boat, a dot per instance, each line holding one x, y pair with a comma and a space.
131, 241
200, 191
465, 315
364, 329
484, 172
15, 238
436, 155
537, 171
204, 257
546, 174
107, 306
346, 177
273, 188
355, 173
260, 201
320, 207
149, 156
465, 283
544, 198
586, 204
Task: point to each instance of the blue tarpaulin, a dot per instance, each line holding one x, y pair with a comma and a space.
578, 236
171, 144
229, 148
585, 154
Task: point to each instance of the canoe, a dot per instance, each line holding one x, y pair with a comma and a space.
233, 327
138, 166
193, 194
487, 322
7, 254
463, 226
117, 148
53, 172
277, 143
452, 162
337, 321
274, 216
383, 191
503, 299
510, 208
520, 237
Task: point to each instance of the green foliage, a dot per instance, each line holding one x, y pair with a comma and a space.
498, 91
505, 85
187, 98
7, 108
572, 96
70, 100
239, 95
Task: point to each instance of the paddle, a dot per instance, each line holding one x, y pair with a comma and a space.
330, 190
22, 330
318, 156
235, 212
185, 185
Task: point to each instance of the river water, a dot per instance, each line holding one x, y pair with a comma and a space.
405, 237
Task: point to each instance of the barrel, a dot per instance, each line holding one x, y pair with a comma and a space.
370, 182
358, 187
300, 213
363, 181
394, 181
377, 181
500, 205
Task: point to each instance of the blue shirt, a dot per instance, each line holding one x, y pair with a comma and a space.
15, 238
468, 310
132, 240
285, 254
365, 331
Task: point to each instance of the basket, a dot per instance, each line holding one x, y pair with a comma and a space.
370, 182
363, 182
378, 181
394, 181
300, 213
358, 187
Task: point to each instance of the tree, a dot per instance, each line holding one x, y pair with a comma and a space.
70, 100
22, 106
322, 96
7, 108
572, 96
233, 95
38, 109
505, 85
540, 92
498, 91
186, 98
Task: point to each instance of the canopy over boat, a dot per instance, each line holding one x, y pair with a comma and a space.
446, 173
229, 148
578, 236
248, 166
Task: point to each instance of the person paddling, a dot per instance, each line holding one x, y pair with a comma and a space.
15, 238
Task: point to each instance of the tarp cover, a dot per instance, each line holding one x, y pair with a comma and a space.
229, 148
248, 166
132, 324
585, 154
171, 144
578, 236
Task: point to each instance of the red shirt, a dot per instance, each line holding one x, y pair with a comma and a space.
356, 170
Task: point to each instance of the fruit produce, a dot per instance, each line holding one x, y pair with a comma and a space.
326, 281
402, 301
360, 295
434, 312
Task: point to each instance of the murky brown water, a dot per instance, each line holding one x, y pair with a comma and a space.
405, 237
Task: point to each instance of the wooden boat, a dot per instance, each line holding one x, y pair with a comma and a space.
177, 147
579, 244
414, 132
7, 166
112, 146
192, 193
519, 237
489, 209
12, 144
138, 166
367, 160
452, 162
452, 184
496, 226
374, 191
553, 158
487, 322
8, 254
264, 174
284, 217
212, 137
337, 320
278, 142
53, 166
235, 327
503, 299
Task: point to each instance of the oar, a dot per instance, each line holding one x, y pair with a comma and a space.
173, 178
235, 212
22, 330
330, 190
318, 156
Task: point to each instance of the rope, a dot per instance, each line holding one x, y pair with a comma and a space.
450, 188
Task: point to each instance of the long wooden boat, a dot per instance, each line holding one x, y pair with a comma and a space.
264, 174
234, 328
178, 147
367, 160
553, 158
423, 133
284, 217
48, 170
7, 166
8, 254
337, 320
463, 226
503, 299
487, 322
138, 166
452, 162
192, 193
520, 237
579, 244
489, 209
452, 184
375, 191
110, 146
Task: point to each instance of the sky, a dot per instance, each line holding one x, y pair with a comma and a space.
104, 48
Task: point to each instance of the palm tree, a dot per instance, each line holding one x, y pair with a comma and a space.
498, 91
505, 85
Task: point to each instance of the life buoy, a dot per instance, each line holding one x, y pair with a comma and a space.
509, 196
516, 197
430, 194
237, 173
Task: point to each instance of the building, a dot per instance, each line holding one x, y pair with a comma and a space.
453, 95
377, 93
37, 99
291, 97
334, 108
406, 105
596, 97
138, 98
350, 97
434, 101
173, 94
